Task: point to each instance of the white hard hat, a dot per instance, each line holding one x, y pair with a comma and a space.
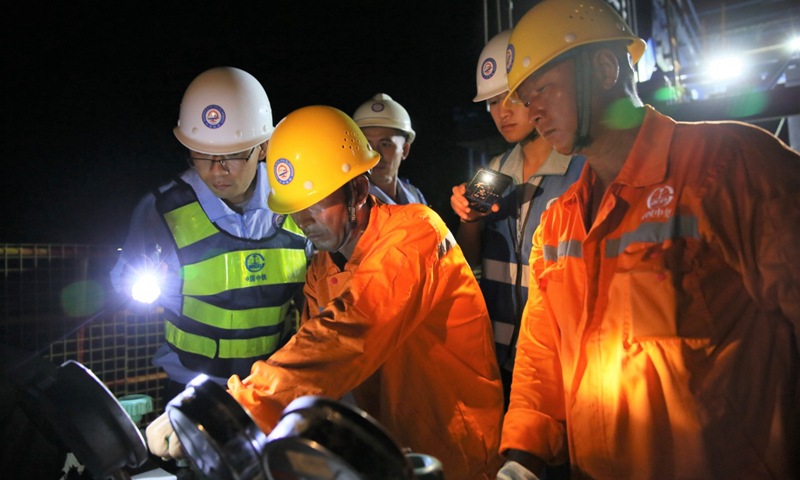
382, 111
491, 76
224, 110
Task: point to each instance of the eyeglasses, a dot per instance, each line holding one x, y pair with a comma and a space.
229, 163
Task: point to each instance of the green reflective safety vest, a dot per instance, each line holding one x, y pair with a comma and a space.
237, 292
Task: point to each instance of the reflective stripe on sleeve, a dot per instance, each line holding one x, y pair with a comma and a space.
189, 224
446, 244
233, 319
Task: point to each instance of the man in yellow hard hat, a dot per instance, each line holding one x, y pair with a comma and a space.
393, 313
387, 127
660, 338
500, 239
227, 266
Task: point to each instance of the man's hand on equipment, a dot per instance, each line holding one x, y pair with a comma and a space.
460, 205
162, 440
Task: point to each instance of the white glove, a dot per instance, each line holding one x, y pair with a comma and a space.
162, 440
514, 471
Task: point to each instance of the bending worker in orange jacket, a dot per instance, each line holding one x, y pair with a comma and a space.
660, 339
393, 312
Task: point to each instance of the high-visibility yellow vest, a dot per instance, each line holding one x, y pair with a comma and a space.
236, 291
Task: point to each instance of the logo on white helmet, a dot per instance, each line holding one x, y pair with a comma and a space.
284, 171
509, 57
488, 68
213, 116
377, 107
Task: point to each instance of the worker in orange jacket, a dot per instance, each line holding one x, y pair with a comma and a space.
660, 338
393, 312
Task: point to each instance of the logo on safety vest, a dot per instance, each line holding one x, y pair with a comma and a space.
254, 262
488, 68
658, 201
284, 171
213, 116
377, 107
509, 57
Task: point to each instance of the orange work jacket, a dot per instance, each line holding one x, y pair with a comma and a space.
405, 328
663, 342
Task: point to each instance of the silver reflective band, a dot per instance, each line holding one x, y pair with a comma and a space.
570, 248
502, 332
446, 244
504, 272
679, 226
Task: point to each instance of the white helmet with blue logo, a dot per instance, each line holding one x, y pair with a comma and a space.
491, 76
224, 110
382, 111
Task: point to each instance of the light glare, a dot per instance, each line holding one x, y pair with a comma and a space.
725, 68
146, 289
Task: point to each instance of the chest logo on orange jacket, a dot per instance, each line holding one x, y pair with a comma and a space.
658, 203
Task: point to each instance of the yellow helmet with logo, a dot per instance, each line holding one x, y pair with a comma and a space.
554, 27
312, 153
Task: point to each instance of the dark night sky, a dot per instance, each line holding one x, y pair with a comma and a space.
92, 94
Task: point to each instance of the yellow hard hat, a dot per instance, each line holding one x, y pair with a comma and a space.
556, 26
312, 153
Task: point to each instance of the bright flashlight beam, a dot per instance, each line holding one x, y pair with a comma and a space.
146, 289
794, 44
726, 68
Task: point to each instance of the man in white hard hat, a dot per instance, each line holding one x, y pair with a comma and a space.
500, 240
387, 126
660, 339
226, 265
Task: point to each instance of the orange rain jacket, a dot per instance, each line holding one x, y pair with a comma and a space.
405, 328
663, 343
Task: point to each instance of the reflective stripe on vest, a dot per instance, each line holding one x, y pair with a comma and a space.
504, 272
200, 278
189, 224
208, 314
228, 348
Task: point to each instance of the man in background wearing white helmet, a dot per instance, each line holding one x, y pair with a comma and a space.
388, 129
660, 339
226, 265
500, 240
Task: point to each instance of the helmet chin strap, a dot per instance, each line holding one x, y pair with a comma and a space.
352, 221
583, 95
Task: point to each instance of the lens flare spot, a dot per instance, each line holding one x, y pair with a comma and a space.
747, 104
622, 115
81, 299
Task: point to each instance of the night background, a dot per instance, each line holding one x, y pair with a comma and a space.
94, 92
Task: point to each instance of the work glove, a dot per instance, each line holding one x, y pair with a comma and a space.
514, 471
162, 440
